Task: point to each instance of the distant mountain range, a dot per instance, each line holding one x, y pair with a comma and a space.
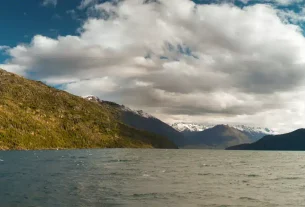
293, 141
217, 137
193, 127
187, 135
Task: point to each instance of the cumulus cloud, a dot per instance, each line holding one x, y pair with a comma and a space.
179, 60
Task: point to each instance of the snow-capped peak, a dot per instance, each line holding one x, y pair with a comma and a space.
254, 129
92, 98
194, 127
123, 108
138, 112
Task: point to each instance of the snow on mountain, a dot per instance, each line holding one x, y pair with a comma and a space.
255, 129
194, 127
141, 120
92, 98
254, 132
138, 112
124, 108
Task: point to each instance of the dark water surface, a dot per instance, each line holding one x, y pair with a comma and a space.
124, 177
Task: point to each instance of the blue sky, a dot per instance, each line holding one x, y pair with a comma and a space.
21, 20
230, 61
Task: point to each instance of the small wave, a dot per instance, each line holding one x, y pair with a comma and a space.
1, 160
119, 173
159, 195
150, 195
248, 198
214, 205
253, 175
207, 165
118, 160
287, 178
56, 174
292, 178
205, 174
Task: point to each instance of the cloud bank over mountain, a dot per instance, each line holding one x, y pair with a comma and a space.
178, 60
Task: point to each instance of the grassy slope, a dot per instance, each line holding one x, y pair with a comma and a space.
35, 116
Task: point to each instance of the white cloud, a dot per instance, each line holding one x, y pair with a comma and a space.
4, 47
92, 86
14, 68
179, 60
86, 3
49, 3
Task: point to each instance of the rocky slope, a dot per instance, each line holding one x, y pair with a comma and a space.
35, 116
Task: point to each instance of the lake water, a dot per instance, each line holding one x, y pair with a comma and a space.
124, 177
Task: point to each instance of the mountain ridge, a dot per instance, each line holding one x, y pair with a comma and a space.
143, 121
217, 137
254, 133
292, 141
186, 126
36, 116
186, 135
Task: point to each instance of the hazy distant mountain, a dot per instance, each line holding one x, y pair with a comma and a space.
36, 116
290, 141
144, 121
254, 133
220, 137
